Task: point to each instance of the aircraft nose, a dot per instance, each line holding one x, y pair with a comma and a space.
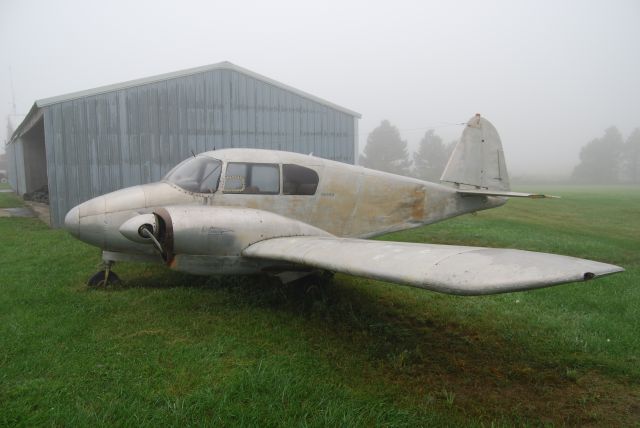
72, 221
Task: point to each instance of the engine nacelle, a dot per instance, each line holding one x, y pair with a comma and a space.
212, 231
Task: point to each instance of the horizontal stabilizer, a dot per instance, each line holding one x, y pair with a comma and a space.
479, 192
443, 268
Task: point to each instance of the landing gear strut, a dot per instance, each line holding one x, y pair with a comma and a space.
104, 277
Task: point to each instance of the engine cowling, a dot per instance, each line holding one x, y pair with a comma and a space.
214, 231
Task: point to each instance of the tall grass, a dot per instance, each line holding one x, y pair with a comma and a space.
167, 348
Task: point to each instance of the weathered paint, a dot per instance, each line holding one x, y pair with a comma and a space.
443, 268
208, 233
349, 201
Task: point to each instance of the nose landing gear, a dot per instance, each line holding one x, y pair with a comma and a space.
104, 277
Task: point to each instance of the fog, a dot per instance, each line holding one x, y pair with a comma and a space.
550, 75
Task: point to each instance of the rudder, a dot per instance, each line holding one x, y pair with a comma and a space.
478, 159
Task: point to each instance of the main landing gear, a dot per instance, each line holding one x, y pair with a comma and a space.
104, 277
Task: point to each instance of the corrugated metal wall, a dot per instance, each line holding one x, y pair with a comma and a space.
15, 166
11, 165
105, 142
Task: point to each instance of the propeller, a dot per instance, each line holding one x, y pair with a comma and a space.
155, 229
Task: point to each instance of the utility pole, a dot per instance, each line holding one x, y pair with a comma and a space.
13, 93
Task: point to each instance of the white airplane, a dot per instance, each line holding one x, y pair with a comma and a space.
248, 211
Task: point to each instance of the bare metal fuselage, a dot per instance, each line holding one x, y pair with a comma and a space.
211, 230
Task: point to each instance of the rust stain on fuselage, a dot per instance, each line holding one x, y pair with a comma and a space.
350, 201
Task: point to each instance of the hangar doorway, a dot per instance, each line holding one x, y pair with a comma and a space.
35, 162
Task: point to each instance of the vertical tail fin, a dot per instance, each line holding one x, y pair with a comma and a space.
478, 159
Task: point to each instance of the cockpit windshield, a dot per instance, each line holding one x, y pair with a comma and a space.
200, 174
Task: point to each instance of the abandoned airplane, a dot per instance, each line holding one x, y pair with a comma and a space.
247, 211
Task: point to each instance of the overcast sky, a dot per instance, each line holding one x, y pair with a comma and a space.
550, 75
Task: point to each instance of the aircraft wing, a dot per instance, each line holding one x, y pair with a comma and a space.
443, 268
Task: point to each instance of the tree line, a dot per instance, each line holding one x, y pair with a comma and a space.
387, 151
610, 159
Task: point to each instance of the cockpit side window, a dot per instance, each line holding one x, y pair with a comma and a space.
252, 178
298, 180
200, 174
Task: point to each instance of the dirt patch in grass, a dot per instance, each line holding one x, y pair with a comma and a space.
426, 361
484, 377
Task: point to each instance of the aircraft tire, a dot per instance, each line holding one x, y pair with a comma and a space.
98, 280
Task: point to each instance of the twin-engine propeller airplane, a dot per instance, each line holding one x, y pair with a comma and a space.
247, 211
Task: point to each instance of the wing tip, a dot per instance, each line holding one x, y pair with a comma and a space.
609, 270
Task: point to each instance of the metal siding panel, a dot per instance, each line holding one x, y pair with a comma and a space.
123, 139
93, 158
304, 128
342, 137
82, 149
317, 129
154, 131
240, 137
245, 136
226, 104
329, 141
282, 121
133, 136
209, 111
251, 112
260, 115
103, 149
144, 128
352, 138
235, 120
290, 137
190, 124
311, 121
295, 123
71, 154
324, 126
183, 139
163, 129
55, 216
11, 165
20, 167
200, 112
334, 135
173, 115
273, 118
59, 166
218, 111
266, 117
113, 138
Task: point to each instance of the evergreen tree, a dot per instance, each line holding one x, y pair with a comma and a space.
386, 151
431, 158
600, 159
631, 158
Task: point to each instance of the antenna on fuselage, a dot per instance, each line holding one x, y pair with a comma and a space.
194, 155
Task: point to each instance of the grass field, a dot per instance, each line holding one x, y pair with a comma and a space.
167, 348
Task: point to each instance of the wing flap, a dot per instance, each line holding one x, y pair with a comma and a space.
443, 268
470, 192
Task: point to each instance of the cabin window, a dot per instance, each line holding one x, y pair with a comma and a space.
252, 178
298, 180
200, 174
